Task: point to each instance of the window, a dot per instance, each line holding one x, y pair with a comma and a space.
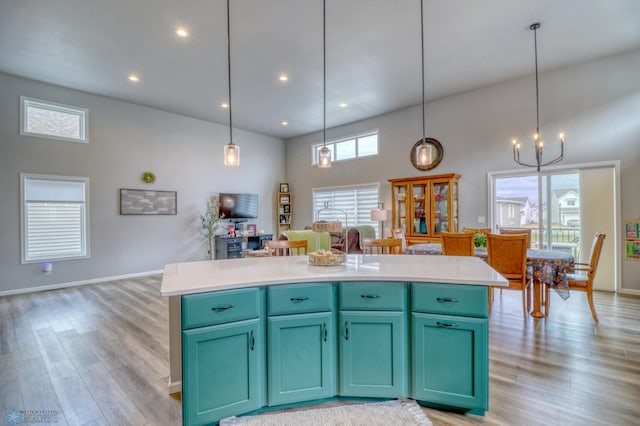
349, 148
357, 201
53, 121
54, 217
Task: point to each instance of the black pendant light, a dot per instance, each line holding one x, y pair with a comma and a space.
537, 142
324, 154
231, 150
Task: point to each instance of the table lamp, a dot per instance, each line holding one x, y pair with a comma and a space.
379, 215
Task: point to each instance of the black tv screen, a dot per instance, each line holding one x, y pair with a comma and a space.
239, 206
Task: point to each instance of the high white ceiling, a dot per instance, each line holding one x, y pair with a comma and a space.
373, 51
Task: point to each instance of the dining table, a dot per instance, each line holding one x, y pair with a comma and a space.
544, 267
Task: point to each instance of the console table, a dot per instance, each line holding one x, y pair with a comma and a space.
228, 247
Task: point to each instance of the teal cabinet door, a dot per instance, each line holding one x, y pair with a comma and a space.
450, 361
301, 357
222, 372
373, 354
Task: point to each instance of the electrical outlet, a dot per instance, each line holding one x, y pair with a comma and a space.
481, 219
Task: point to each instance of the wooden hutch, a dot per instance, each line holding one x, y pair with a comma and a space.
424, 206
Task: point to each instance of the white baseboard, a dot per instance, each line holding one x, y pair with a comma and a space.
629, 291
175, 387
77, 283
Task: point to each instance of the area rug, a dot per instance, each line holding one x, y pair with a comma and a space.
396, 413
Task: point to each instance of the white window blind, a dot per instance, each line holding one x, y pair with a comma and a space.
356, 201
54, 218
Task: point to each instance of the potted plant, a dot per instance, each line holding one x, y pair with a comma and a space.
480, 240
209, 223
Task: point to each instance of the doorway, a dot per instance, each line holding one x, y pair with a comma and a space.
563, 207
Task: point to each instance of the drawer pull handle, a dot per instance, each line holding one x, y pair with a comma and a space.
346, 330
447, 299
299, 299
324, 331
444, 324
370, 296
253, 340
222, 308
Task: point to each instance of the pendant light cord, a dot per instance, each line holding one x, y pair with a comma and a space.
229, 74
324, 73
422, 56
535, 27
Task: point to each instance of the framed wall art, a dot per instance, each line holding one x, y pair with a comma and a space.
143, 202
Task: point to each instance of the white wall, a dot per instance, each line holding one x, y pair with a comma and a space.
597, 105
126, 140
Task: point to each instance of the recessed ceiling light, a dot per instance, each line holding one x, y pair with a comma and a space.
182, 32
224, 105
283, 77
285, 123
343, 105
134, 78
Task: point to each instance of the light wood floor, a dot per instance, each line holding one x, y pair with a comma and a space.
98, 354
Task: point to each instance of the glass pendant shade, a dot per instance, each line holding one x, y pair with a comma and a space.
423, 155
324, 157
231, 155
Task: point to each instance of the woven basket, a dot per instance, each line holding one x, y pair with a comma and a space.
334, 257
335, 226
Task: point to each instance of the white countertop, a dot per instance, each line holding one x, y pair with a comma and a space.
214, 275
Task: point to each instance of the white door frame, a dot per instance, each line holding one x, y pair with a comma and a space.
617, 241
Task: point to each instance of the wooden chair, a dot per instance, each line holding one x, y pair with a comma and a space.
382, 246
512, 231
477, 230
583, 281
508, 256
457, 244
399, 233
288, 247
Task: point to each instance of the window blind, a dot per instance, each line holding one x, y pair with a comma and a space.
54, 216
356, 201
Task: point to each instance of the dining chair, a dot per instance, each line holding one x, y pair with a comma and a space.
517, 231
508, 256
382, 246
583, 280
288, 247
399, 233
457, 244
477, 230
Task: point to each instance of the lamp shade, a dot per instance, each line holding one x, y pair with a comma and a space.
379, 215
231, 155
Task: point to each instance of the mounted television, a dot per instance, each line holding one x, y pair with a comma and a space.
239, 206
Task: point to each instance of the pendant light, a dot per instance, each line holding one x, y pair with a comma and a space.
324, 154
423, 151
537, 143
231, 151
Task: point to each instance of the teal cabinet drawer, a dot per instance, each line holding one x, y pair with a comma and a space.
199, 310
300, 298
465, 300
373, 296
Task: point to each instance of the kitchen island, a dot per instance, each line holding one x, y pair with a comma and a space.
266, 332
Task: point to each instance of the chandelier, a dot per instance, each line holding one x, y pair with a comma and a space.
537, 142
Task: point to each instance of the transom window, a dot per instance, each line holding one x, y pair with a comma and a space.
54, 217
363, 145
357, 201
51, 120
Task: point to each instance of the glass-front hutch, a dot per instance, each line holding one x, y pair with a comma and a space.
425, 206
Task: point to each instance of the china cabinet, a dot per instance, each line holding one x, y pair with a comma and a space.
425, 206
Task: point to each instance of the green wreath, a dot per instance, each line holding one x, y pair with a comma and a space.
148, 177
